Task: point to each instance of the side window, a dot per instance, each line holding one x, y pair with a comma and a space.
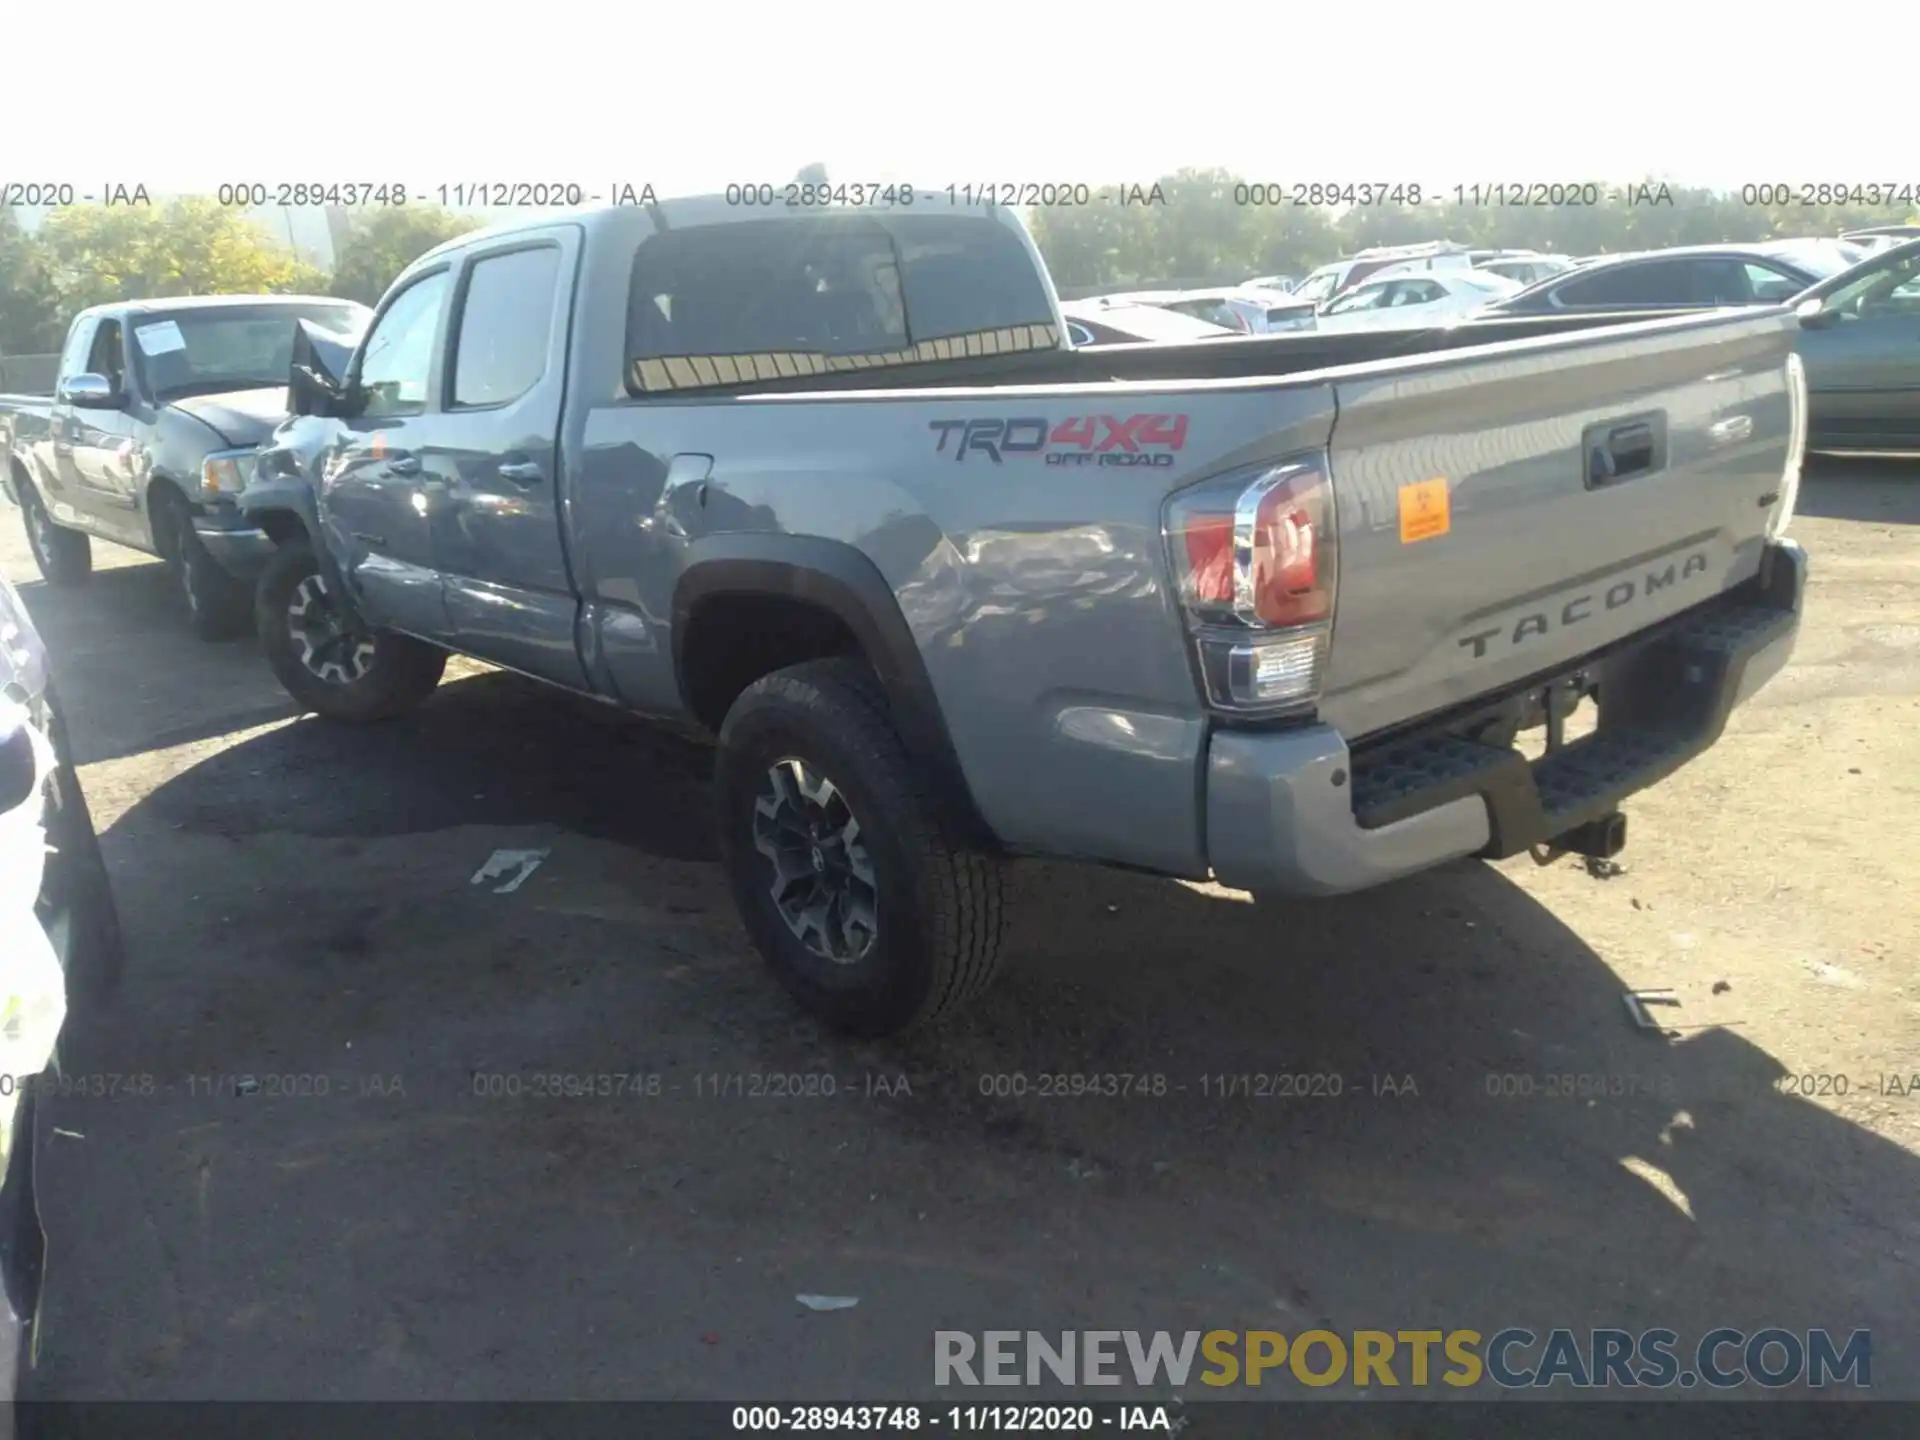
1367, 297
1718, 282
1214, 312
399, 353
1769, 286
1317, 287
1079, 334
1647, 283
106, 356
1899, 299
1416, 292
73, 360
1889, 290
506, 322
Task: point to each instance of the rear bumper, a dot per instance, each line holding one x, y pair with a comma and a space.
1299, 813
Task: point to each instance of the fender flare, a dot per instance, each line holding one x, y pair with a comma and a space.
836, 577
289, 495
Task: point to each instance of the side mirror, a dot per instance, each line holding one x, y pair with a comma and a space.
89, 392
322, 359
1813, 315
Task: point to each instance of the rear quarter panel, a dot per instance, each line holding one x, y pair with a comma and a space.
1036, 592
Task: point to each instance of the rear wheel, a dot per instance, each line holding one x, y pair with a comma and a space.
65, 557
326, 659
870, 913
219, 607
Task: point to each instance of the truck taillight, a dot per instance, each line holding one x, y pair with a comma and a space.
1254, 555
1782, 513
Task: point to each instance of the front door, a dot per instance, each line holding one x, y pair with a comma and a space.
105, 453
376, 492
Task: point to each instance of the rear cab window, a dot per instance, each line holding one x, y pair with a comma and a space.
743, 301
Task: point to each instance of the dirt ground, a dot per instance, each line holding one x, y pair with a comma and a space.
298, 909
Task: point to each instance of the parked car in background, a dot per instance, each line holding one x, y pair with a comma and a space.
1251, 312
1526, 269
1329, 280
1875, 238
1407, 300
1282, 283
157, 408
1091, 322
60, 950
1685, 278
1860, 344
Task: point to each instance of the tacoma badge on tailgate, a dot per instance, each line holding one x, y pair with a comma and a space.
1645, 582
1079, 440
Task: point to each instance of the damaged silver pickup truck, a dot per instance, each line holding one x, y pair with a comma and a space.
831, 488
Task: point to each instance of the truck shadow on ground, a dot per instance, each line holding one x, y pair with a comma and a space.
1178, 1109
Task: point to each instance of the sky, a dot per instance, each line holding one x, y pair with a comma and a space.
691, 97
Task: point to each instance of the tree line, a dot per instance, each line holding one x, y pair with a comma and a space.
1196, 226
1212, 227
90, 254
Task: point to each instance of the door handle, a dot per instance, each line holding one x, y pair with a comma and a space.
521, 472
403, 464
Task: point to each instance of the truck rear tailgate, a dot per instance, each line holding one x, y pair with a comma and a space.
1501, 518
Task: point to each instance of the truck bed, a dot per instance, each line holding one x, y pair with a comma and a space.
1239, 358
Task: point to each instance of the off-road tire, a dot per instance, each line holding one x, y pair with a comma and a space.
403, 671
936, 943
65, 557
218, 606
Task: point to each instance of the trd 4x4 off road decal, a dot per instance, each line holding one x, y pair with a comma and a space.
1080, 440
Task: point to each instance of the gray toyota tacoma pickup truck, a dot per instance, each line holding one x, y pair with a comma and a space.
149, 435
831, 488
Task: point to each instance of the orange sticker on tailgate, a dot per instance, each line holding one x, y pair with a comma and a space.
1423, 510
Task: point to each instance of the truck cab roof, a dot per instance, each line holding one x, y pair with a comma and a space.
684, 211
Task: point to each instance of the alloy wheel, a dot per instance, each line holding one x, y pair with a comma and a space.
823, 882
328, 648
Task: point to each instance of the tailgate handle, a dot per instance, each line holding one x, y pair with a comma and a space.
1623, 450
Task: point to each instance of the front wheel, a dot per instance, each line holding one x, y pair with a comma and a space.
868, 910
65, 557
329, 662
219, 607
